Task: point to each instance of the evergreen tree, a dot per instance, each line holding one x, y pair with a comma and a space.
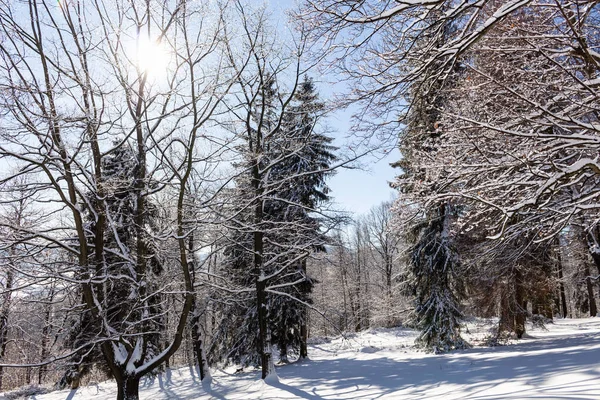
119, 168
298, 160
436, 282
433, 276
303, 176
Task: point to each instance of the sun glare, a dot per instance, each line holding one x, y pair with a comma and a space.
151, 57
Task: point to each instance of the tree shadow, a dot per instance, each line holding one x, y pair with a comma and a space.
72, 394
471, 374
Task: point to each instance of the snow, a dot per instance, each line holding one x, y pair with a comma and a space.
135, 357
119, 353
559, 363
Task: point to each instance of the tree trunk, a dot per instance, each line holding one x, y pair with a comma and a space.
344, 289
520, 306
366, 307
304, 336
283, 352
264, 335
303, 324
590, 292
46, 337
561, 284
4, 311
264, 342
594, 249
168, 306
596, 258
76, 381
389, 301
595, 252
128, 388
195, 321
202, 361
198, 347
507, 319
358, 314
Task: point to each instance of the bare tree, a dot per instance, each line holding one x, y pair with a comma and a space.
373, 45
80, 82
17, 215
513, 146
385, 242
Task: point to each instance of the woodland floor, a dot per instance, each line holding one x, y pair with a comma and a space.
559, 362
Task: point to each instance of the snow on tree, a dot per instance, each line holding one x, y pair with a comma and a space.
76, 77
274, 218
116, 296
372, 44
506, 92
434, 278
297, 202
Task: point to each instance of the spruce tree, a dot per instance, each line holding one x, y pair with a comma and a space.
433, 275
119, 167
300, 159
304, 175
436, 283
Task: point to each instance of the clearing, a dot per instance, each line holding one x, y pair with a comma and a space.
561, 362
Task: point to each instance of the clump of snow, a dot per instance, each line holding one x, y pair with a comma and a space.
272, 378
369, 349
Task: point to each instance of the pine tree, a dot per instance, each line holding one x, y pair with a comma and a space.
119, 167
303, 176
299, 161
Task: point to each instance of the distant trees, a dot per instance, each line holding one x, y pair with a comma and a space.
385, 242
359, 276
17, 215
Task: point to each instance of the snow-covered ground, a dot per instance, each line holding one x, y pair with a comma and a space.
562, 362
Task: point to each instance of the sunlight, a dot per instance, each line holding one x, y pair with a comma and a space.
151, 57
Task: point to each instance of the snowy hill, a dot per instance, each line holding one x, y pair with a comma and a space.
558, 363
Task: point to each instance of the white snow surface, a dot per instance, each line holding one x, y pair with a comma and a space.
561, 362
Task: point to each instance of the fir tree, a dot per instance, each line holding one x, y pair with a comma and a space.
304, 175
119, 167
292, 188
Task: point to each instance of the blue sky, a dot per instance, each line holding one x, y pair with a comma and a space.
358, 190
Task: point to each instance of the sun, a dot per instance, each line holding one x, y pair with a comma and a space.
151, 57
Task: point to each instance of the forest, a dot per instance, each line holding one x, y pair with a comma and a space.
165, 169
